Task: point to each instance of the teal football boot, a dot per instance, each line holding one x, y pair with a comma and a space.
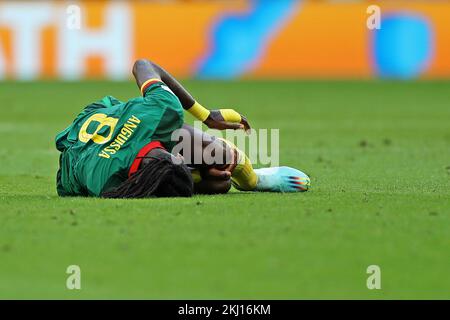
282, 179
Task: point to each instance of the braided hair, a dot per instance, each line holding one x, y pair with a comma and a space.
160, 177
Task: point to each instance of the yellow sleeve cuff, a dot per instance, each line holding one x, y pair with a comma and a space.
199, 112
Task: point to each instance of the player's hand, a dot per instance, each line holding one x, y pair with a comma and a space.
226, 119
222, 172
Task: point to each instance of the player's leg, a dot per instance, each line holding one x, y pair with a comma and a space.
274, 179
232, 162
235, 162
210, 160
243, 176
202, 150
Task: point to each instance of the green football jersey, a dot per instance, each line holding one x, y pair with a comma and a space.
98, 148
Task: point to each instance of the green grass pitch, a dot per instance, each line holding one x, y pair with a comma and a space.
378, 154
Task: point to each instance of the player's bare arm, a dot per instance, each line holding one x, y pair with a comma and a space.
145, 71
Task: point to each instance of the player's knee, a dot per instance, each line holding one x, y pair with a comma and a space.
213, 186
221, 186
221, 152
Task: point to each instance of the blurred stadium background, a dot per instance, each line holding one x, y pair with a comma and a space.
225, 39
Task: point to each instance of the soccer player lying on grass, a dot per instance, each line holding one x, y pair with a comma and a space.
117, 149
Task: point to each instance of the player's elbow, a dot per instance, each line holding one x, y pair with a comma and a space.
141, 65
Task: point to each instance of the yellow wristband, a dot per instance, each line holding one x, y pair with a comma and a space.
230, 115
199, 112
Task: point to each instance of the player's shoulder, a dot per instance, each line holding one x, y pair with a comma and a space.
155, 88
104, 103
158, 95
